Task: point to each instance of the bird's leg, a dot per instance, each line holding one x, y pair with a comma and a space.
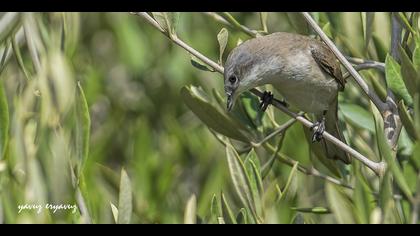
319, 127
266, 100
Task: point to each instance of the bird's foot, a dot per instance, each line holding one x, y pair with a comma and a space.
266, 100
319, 128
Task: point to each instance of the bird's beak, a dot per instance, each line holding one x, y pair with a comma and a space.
230, 101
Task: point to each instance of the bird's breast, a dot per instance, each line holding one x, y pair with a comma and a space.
308, 93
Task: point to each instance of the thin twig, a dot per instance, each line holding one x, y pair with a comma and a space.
378, 168
229, 18
280, 129
374, 64
365, 66
363, 85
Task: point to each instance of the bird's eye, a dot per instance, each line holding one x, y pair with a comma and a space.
232, 79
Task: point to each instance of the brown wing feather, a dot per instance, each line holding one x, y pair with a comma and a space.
327, 60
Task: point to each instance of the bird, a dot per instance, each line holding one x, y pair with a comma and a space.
302, 69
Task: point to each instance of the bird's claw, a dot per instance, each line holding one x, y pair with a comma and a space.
319, 128
266, 100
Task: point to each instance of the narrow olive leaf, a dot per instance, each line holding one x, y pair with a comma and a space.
200, 65
240, 178
4, 121
368, 26
327, 29
215, 209
228, 216
8, 24
256, 185
222, 38
241, 218
82, 127
339, 204
407, 121
257, 176
362, 199
197, 101
380, 47
358, 116
173, 19
190, 215
379, 89
163, 20
394, 80
416, 154
385, 193
168, 21
298, 22
285, 193
125, 199
386, 154
4, 56
18, 56
408, 72
314, 210
114, 210
416, 57
263, 19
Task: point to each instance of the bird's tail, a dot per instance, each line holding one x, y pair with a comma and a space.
326, 152
331, 126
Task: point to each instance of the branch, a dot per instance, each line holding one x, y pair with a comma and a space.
378, 168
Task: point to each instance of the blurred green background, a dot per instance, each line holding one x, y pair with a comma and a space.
128, 77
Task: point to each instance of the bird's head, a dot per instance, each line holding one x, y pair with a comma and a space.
240, 72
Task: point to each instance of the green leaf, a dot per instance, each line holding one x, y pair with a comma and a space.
222, 38
241, 218
362, 199
379, 89
18, 56
82, 127
200, 65
114, 210
358, 116
416, 56
380, 47
190, 216
298, 22
327, 29
125, 199
368, 19
240, 179
407, 121
168, 21
314, 210
226, 211
263, 19
253, 168
416, 154
394, 80
4, 121
9, 24
408, 72
215, 209
290, 181
386, 154
197, 101
340, 204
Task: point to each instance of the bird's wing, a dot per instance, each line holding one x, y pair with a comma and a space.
328, 62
